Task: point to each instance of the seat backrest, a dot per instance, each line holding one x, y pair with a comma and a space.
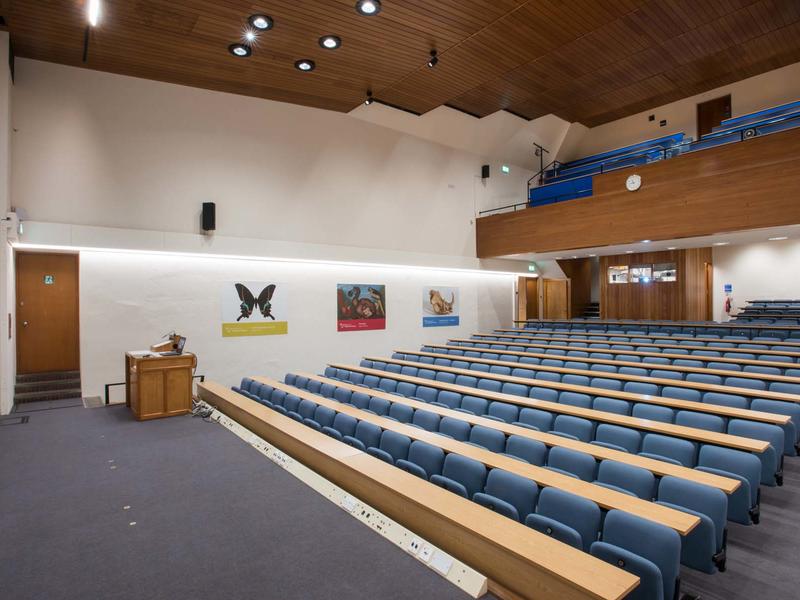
637, 387
683, 451
574, 399
734, 461
360, 400
712, 502
368, 433
468, 472
726, 400
396, 444
427, 456
657, 543
628, 477
505, 411
324, 416
653, 412
455, 428
689, 418
577, 512
451, 399
583, 429
342, 395
491, 439
307, 409
627, 438
518, 491
474, 404
533, 451
426, 420
612, 405
291, 402
578, 463
345, 424
401, 412
380, 406
681, 393
541, 419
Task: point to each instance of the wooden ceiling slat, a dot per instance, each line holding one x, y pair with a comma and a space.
586, 60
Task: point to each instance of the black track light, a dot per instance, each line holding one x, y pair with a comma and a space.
434, 59
369, 99
368, 8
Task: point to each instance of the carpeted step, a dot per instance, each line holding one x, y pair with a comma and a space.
49, 385
48, 376
59, 394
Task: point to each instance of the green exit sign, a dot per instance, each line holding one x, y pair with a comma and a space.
505, 169
532, 268
49, 279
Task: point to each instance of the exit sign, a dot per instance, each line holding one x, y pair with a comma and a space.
505, 169
49, 279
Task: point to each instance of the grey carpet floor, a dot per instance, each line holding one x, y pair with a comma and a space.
213, 519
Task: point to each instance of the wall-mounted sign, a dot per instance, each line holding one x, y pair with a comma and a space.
440, 306
49, 279
728, 288
254, 308
360, 307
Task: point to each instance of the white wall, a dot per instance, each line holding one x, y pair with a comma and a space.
7, 351
128, 300
749, 95
767, 270
101, 149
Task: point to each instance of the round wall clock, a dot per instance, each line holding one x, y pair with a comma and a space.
633, 182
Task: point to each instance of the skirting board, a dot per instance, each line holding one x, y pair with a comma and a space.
456, 572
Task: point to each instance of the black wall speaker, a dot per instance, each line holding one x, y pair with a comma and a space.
485, 172
209, 220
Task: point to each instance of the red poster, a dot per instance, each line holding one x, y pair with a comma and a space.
360, 307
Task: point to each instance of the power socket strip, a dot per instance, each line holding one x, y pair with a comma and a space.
452, 569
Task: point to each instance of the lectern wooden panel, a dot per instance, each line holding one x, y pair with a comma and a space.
158, 386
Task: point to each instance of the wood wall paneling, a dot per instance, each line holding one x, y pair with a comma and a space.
556, 299
579, 272
684, 299
740, 186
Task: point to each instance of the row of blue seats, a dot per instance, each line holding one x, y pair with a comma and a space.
687, 350
791, 369
757, 343
614, 536
759, 116
685, 328
604, 385
672, 449
667, 141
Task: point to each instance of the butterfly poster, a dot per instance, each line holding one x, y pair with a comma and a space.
254, 308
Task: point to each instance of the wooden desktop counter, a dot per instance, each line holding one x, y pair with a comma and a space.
158, 386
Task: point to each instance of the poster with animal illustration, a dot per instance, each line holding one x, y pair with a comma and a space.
440, 306
360, 306
254, 308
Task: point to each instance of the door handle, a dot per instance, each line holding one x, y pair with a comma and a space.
24, 323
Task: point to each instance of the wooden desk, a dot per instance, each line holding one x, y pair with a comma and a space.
654, 336
687, 324
738, 361
518, 558
617, 363
557, 338
689, 433
606, 498
159, 386
657, 467
741, 413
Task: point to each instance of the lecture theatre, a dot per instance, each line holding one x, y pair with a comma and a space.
399, 299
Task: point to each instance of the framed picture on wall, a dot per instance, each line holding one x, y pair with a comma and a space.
360, 306
665, 272
618, 274
641, 274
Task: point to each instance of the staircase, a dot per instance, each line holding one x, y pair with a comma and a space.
592, 311
57, 385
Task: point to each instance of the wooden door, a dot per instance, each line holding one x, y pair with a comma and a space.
47, 312
532, 308
712, 113
556, 298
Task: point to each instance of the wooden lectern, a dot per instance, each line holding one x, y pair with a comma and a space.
158, 386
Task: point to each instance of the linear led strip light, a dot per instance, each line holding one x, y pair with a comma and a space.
309, 261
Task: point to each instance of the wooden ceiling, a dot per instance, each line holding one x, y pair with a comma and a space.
591, 61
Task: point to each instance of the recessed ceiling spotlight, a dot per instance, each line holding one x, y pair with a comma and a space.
558, 258
434, 59
93, 12
368, 8
305, 64
250, 36
369, 99
721, 243
240, 50
646, 241
574, 257
592, 255
628, 251
330, 42
261, 22
671, 248
779, 238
